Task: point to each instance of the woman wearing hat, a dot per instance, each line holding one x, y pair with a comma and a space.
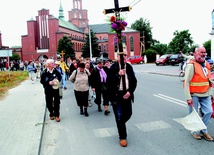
80, 78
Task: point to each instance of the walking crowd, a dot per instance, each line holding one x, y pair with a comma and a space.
104, 80
101, 81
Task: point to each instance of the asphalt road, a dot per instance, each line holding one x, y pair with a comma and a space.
154, 128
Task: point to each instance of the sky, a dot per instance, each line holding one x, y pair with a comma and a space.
165, 16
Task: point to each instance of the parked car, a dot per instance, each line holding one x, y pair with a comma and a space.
163, 60
136, 59
176, 59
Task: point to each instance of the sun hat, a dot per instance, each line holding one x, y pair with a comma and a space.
56, 84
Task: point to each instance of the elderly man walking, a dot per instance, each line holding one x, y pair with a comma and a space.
197, 88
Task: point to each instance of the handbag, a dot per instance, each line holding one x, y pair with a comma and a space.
193, 121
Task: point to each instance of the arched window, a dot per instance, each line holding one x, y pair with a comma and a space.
104, 48
105, 38
115, 44
124, 39
75, 15
80, 15
131, 44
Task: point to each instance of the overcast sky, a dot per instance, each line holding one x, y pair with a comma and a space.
165, 16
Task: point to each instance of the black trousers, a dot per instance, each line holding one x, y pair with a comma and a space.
122, 111
81, 98
99, 94
52, 101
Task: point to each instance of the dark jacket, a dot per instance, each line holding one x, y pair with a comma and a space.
113, 81
95, 78
46, 77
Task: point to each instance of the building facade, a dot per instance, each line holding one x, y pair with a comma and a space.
44, 33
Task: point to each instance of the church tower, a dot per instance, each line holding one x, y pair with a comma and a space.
78, 16
61, 15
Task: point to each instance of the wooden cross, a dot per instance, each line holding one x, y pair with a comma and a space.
62, 54
117, 11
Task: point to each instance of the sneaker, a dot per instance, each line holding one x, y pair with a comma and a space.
196, 136
106, 112
207, 136
57, 119
52, 118
65, 88
123, 142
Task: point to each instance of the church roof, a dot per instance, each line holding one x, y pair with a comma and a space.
106, 28
69, 25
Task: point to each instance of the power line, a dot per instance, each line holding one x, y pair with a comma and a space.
134, 1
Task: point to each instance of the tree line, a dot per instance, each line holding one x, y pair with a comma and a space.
181, 41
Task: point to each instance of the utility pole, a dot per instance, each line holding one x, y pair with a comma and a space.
89, 35
143, 43
117, 11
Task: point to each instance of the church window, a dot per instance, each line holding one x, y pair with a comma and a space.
131, 44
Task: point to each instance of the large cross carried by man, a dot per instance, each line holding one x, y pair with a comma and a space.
117, 10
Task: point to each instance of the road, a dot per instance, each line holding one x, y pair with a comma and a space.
154, 128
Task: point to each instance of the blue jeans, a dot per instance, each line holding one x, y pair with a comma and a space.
63, 80
122, 111
206, 108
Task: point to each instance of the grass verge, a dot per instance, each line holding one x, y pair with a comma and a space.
10, 80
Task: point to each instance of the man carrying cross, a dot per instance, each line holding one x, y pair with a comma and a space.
121, 80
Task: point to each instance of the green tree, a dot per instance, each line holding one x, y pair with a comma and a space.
207, 45
182, 41
143, 26
15, 56
65, 45
160, 48
151, 55
94, 46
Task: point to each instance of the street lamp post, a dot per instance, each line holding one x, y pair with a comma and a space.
142, 43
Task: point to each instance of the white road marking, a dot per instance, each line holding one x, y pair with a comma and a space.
105, 132
171, 99
151, 126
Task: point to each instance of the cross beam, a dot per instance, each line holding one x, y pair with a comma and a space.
117, 11
122, 9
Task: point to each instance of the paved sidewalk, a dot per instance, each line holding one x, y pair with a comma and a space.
22, 114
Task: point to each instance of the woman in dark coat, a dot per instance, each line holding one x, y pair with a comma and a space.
99, 86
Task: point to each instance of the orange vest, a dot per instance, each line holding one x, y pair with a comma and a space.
199, 82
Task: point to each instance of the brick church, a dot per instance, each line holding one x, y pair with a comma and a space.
44, 33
